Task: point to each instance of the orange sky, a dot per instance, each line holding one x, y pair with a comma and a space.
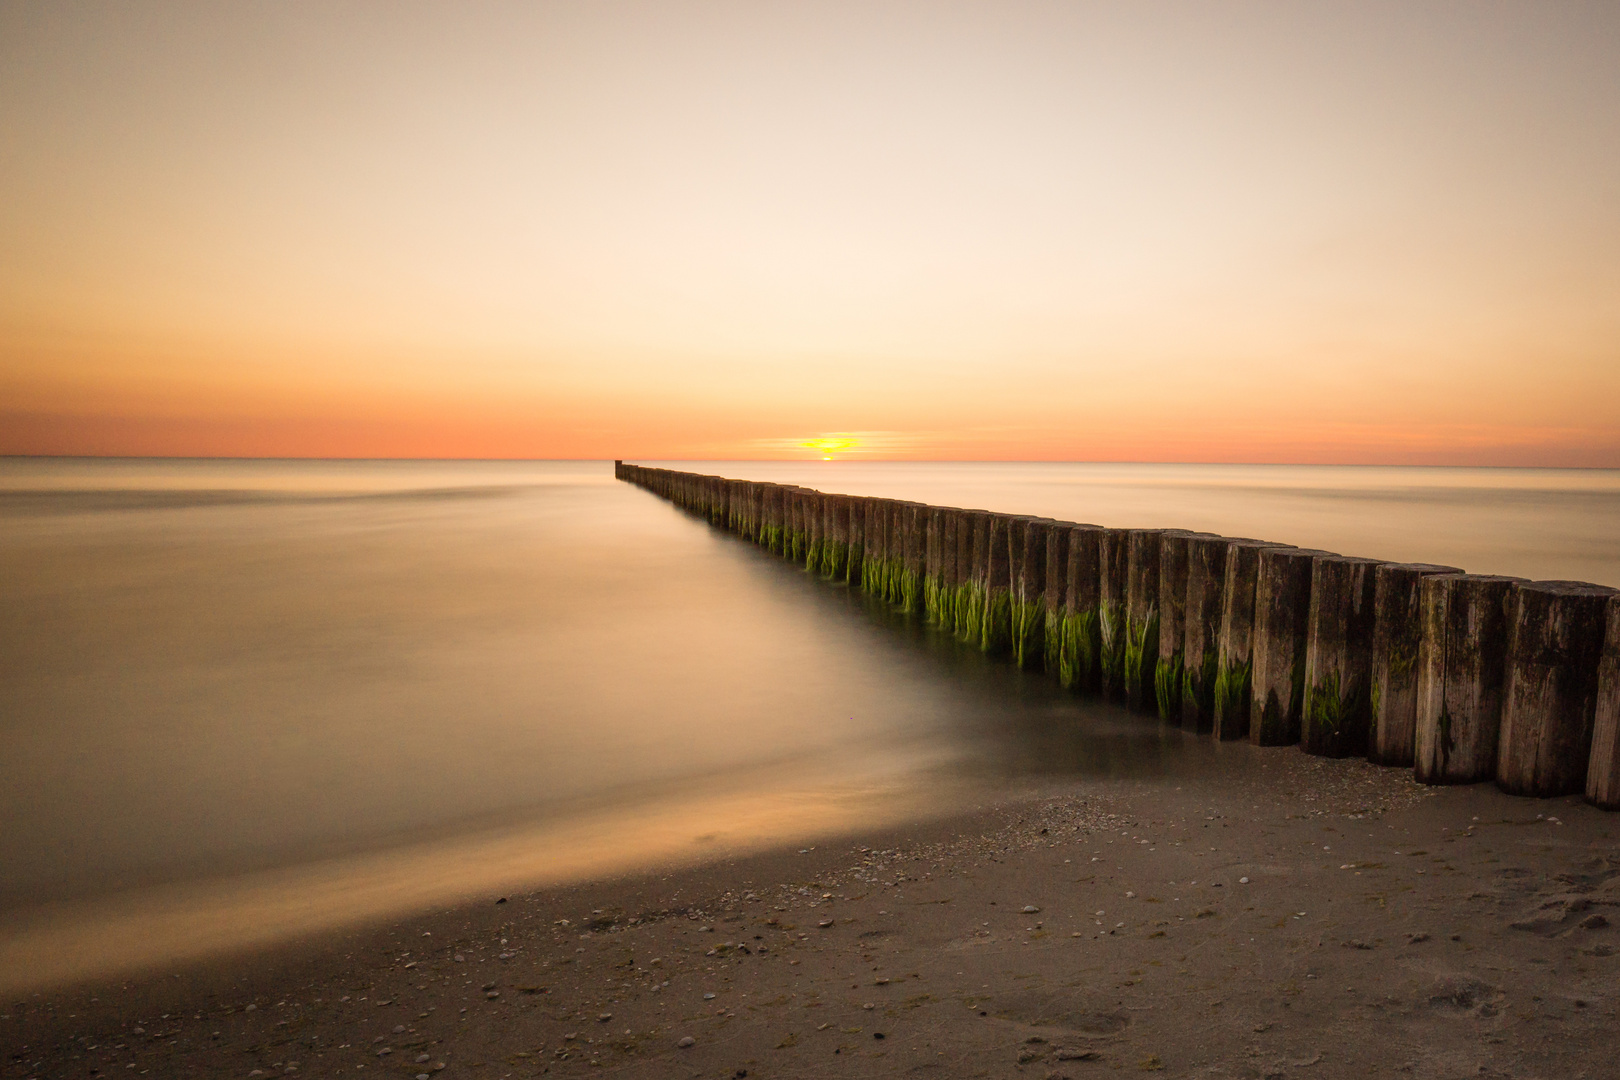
1186, 232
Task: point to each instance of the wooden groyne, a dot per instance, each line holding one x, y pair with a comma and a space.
1460, 677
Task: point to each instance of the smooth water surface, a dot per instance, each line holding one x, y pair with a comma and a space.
246, 700
242, 701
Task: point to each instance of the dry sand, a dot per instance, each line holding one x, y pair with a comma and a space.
1287, 917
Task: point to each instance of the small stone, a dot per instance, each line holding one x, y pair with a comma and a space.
687, 1042
399, 1029
423, 1059
385, 1051
1594, 922
708, 997
1243, 881
604, 1018
1030, 909
824, 923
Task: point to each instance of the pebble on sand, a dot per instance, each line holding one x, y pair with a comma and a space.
687, 1042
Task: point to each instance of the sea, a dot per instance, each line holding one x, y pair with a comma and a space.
243, 702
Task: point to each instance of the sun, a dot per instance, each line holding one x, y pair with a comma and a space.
828, 445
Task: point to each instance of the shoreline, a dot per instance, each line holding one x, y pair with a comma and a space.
1296, 939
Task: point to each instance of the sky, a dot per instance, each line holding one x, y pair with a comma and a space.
1306, 232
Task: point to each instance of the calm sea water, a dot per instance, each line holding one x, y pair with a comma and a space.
242, 701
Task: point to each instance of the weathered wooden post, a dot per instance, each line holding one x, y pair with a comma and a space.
770, 536
853, 563
995, 629
912, 558
1141, 617
1201, 637
1056, 600
835, 548
972, 560
897, 553
948, 528
873, 567
1337, 720
1549, 703
815, 529
1169, 668
933, 556
1397, 639
1603, 773
1080, 664
1113, 584
1467, 620
1027, 595
1282, 608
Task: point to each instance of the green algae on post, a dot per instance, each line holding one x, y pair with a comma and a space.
1461, 675
1550, 700
1337, 716
1397, 640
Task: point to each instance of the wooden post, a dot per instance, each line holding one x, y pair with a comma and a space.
1603, 774
1461, 673
933, 561
1282, 608
1201, 638
1397, 638
972, 554
835, 546
875, 562
1337, 719
995, 630
1080, 663
815, 529
1027, 596
911, 582
858, 511
1169, 670
1141, 617
1549, 704
1056, 600
1113, 583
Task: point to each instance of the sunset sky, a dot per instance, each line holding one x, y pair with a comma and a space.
1289, 231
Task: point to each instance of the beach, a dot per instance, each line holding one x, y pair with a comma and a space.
1286, 916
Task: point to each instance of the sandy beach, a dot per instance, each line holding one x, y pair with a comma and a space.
1288, 916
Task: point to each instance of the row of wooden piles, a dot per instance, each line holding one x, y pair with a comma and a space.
1462, 677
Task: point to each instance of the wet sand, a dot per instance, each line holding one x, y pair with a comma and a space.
1286, 916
